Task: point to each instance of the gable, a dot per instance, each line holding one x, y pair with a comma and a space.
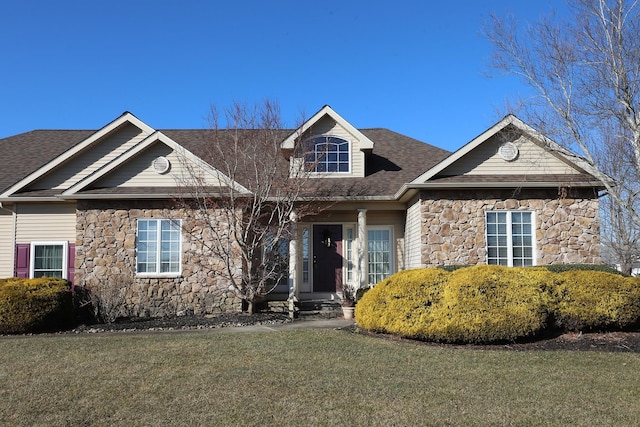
83, 158
120, 155
531, 158
139, 171
510, 153
90, 159
328, 123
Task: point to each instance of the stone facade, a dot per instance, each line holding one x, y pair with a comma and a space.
453, 225
106, 256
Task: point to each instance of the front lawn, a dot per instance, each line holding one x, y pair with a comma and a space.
304, 377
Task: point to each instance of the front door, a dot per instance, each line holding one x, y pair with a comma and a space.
327, 258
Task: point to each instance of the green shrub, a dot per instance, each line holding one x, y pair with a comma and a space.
493, 303
596, 300
402, 303
561, 268
32, 305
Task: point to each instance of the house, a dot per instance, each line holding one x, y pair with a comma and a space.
98, 206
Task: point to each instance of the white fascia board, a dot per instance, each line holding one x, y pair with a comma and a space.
123, 119
29, 199
138, 148
156, 196
365, 143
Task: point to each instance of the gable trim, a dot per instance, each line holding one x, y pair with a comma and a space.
138, 148
573, 160
289, 142
125, 118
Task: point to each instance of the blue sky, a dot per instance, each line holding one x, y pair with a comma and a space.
416, 67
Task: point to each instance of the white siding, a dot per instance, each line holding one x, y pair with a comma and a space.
413, 237
97, 155
45, 221
532, 160
7, 243
138, 172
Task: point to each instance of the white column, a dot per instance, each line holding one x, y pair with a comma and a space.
293, 265
363, 265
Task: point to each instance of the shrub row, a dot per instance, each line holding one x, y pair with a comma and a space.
34, 305
494, 303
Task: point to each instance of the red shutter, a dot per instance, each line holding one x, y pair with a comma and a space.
71, 263
22, 260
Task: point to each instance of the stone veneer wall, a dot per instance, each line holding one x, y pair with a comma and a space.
453, 225
105, 259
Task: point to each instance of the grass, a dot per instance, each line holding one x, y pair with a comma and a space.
304, 377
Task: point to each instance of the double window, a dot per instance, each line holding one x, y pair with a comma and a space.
158, 246
510, 238
328, 154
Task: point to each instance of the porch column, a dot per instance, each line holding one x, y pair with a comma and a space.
293, 265
363, 265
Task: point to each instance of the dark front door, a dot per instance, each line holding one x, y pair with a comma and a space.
327, 258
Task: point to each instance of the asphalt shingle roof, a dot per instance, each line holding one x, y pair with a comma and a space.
396, 159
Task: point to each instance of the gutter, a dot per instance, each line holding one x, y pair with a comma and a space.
506, 184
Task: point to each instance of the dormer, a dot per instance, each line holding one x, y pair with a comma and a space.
327, 146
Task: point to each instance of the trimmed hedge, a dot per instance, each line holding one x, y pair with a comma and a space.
403, 303
34, 305
587, 300
495, 303
560, 268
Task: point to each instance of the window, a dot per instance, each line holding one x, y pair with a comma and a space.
510, 238
49, 259
350, 254
328, 154
158, 246
305, 255
380, 253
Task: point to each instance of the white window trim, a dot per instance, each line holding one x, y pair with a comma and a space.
65, 256
170, 274
345, 255
534, 249
392, 248
349, 151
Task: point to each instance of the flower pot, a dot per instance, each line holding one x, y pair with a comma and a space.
347, 312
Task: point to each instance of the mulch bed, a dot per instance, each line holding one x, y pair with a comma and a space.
618, 342
613, 341
221, 320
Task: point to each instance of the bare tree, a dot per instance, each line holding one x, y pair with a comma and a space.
247, 208
585, 72
620, 233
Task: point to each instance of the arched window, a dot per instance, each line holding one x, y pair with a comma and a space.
328, 154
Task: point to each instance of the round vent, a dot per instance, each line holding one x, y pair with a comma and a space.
160, 164
508, 151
